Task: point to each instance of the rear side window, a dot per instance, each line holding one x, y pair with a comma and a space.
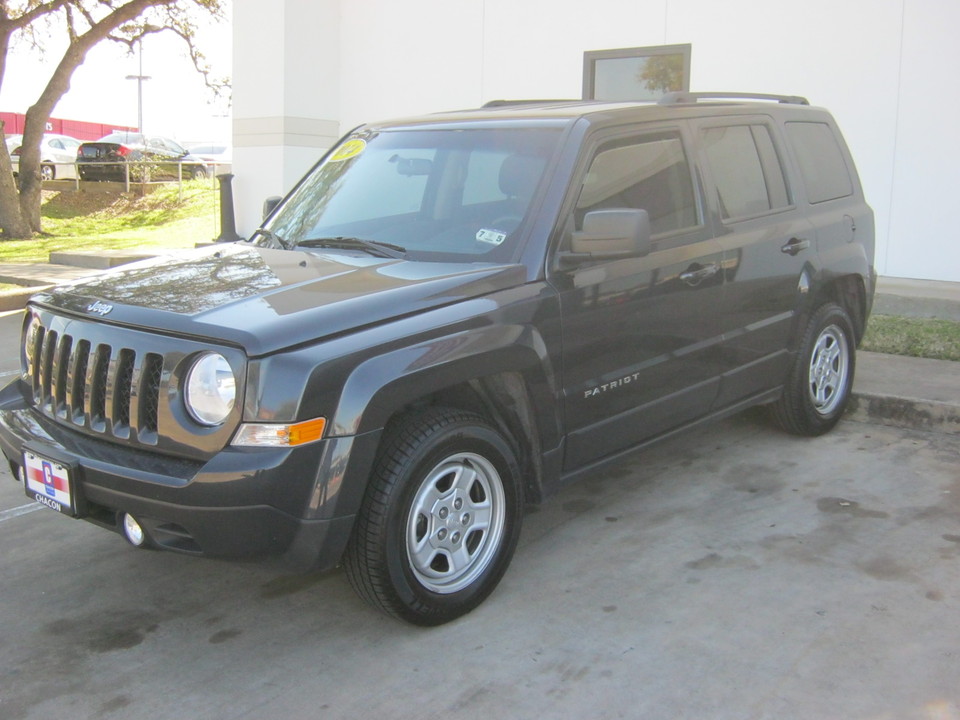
746, 170
821, 161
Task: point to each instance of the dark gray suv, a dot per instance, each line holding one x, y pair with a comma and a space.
448, 318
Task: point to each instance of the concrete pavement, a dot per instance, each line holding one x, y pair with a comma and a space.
732, 573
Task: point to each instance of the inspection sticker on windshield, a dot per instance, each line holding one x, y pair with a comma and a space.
491, 237
351, 148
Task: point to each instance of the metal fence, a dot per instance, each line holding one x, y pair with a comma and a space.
145, 176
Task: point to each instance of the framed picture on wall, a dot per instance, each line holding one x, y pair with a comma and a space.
640, 73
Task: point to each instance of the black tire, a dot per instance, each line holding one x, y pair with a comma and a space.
198, 172
440, 519
818, 386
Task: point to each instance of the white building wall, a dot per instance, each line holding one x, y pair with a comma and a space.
286, 96
924, 241
879, 65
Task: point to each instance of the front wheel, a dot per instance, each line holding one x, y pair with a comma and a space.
818, 387
440, 519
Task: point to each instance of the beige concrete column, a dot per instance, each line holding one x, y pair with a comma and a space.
286, 90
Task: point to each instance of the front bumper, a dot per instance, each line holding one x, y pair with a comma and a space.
296, 505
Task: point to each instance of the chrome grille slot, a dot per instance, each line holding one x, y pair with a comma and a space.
61, 365
122, 393
98, 388
34, 352
78, 382
150, 393
46, 368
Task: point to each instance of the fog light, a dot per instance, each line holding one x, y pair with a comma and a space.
132, 530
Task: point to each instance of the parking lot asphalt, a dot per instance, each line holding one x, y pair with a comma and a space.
732, 572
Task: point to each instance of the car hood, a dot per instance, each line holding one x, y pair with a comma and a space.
264, 299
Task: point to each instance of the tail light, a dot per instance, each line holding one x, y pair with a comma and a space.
123, 150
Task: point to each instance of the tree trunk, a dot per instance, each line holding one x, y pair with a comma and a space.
31, 185
11, 220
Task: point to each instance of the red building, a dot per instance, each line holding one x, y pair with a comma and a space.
80, 129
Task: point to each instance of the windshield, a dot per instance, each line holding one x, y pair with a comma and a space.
446, 195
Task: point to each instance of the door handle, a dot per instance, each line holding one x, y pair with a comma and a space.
697, 273
795, 246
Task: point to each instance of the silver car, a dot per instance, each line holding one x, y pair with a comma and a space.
58, 157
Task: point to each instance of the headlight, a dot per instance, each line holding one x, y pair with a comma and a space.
211, 389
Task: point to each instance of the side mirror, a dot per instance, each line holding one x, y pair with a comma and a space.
610, 234
270, 204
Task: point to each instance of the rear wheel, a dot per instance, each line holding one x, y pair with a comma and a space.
818, 388
440, 519
47, 172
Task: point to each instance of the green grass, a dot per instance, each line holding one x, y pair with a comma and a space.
158, 220
916, 337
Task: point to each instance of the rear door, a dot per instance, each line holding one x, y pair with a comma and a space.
769, 250
834, 199
641, 334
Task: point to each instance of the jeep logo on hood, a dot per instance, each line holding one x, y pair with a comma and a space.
99, 308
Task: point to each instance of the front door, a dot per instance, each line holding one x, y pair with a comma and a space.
641, 334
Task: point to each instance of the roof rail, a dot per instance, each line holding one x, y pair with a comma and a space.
507, 103
679, 98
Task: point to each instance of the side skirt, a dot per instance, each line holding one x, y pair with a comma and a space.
763, 398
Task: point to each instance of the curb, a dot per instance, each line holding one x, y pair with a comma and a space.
17, 299
907, 413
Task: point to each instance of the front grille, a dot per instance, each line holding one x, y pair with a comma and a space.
117, 384
97, 387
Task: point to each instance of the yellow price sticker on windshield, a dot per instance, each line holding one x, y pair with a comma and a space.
351, 148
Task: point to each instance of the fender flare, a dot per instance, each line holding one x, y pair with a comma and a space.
379, 387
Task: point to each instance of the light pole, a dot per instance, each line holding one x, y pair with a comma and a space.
139, 78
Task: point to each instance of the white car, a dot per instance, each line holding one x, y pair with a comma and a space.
217, 156
58, 157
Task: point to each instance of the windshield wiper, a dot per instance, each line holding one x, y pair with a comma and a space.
272, 237
374, 247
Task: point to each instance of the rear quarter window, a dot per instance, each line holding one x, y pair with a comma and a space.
822, 166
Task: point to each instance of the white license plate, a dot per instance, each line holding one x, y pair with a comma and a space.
49, 483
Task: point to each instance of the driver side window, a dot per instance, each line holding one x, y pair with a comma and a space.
647, 173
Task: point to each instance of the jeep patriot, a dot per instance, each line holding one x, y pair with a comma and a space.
448, 318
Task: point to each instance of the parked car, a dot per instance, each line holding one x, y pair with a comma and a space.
447, 319
152, 157
58, 157
215, 155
